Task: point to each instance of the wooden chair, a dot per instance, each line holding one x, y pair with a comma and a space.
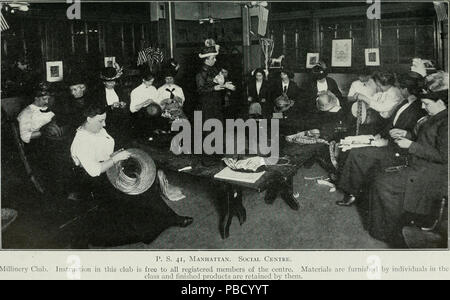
434, 236
23, 157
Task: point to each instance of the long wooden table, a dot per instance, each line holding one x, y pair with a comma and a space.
230, 191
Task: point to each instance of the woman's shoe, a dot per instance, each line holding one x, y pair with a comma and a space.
184, 221
348, 200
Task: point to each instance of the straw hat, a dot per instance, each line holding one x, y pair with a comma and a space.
135, 175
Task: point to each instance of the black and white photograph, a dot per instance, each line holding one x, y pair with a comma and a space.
373, 57
198, 125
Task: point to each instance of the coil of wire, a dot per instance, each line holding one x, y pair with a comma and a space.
135, 175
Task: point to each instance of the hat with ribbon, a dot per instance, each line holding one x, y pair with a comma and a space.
111, 73
210, 49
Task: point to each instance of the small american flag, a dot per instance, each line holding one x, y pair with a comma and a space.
3, 24
441, 11
150, 55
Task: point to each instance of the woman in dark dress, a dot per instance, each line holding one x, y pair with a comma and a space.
258, 95
121, 218
415, 191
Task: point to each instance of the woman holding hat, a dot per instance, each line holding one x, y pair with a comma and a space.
258, 94
209, 83
322, 83
414, 192
113, 99
121, 218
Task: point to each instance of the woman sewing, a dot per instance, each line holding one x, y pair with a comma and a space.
384, 102
258, 95
355, 171
121, 218
415, 191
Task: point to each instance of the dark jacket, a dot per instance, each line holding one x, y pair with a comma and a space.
427, 177
210, 99
293, 91
264, 92
407, 119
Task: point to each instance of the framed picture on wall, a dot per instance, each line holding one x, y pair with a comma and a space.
341, 53
110, 61
372, 57
54, 71
312, 59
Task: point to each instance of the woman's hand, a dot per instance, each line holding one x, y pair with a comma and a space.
230, 86
263, 100
403, 143
397, 133
120, 156
250, 99
380, 143
218, 87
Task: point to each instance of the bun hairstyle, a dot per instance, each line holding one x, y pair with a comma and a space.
147, 76
384, 77
288, 72
259, 70
94, 109
412, 81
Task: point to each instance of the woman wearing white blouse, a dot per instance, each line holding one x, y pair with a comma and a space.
121, 219
385, 101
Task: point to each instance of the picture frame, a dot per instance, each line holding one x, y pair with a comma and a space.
110, 61
341, 53
54, 71
312, 59
372, 56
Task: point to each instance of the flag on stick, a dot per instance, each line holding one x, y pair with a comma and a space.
3, 24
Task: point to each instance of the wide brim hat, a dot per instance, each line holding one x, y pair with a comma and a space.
435, 96
135, 175
169, 72
111, 73
210, 49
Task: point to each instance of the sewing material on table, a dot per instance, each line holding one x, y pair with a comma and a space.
250, 164
306, 138
231, 175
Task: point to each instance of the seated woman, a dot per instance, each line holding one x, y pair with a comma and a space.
35, 116
286, 87
357, 167
121, 218
258, 95
415, 191
383, 102
322, 83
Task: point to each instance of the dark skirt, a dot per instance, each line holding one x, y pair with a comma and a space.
386, 198
124, 219
212, 107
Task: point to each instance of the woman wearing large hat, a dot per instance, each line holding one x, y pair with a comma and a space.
209, 86
109, 95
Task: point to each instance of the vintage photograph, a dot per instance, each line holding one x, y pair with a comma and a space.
341, 53
198, 125
373, 57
